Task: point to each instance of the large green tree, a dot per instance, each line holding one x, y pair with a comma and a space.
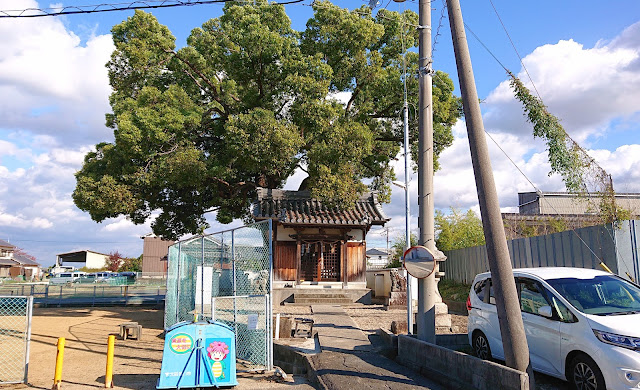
244, 104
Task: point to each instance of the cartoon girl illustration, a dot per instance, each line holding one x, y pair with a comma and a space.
217, 351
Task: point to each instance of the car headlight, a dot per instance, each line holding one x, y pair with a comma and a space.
616, 339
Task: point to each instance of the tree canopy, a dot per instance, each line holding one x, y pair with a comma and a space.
458, 230
248, 101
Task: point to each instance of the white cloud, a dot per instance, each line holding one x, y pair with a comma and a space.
594, 91
586, 88
51, 84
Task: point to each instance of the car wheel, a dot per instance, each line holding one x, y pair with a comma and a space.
584, 374
481, 346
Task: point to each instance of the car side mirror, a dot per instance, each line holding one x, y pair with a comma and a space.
545, 311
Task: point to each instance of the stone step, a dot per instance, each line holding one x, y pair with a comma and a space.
316, 295
321, 301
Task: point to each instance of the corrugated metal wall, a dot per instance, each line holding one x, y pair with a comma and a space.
154, 249
580, 248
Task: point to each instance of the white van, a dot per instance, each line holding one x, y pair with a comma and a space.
582, 325
67, 277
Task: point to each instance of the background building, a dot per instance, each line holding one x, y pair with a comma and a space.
80, 259
564, 203
377, 258
154, 254
543, 213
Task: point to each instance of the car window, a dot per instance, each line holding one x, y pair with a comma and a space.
479, 289
491, 298
563, 312
531, 296
600, 295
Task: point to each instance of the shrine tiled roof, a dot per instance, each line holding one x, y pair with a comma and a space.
299, 208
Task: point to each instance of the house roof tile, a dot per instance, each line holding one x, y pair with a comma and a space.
23, 260
5, 244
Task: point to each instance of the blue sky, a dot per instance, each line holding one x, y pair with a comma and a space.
583, 57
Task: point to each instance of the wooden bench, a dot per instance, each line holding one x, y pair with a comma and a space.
130, 329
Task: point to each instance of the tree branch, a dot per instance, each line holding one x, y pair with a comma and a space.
355, 93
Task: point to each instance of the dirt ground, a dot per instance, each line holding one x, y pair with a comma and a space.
86, 330
136, 363
372, 317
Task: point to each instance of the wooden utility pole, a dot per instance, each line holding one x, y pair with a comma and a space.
427, 294
514, 341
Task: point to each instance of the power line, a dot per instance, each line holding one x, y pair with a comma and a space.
514, 48
110, 7
74, 242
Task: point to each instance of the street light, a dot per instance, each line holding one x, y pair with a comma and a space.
407, 214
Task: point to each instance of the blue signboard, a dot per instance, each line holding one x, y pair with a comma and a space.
200, 354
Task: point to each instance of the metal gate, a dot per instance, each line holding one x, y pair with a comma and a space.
15, 335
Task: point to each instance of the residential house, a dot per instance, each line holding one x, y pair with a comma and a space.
13, 265
377, 258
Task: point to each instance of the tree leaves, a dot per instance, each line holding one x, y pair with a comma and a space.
457, 230
244, 104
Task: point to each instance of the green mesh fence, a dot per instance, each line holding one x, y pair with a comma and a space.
221, 275
15, 335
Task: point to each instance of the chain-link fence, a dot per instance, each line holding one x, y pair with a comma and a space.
236, 264
15, 334
87, 294
247, 316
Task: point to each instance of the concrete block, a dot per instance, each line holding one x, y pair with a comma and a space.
441, 308
398, 298
443, 321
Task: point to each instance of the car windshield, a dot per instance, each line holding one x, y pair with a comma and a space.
601, 295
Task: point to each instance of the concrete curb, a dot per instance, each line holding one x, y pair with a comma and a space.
312, 374
457, 370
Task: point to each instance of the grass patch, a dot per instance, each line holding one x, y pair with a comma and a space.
454, 291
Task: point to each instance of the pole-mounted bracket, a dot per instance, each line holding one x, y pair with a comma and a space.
424, 27
426, 70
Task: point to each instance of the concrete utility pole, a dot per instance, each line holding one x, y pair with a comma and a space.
514, 340
427, 294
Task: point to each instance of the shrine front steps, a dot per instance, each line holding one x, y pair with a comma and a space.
305, 297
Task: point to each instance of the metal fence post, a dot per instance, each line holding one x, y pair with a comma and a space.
93, 303
28, 338
60, 299
234, 286
202, 280
270, 298
178, 284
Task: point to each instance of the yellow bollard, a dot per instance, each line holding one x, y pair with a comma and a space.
57, 377
108, 378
